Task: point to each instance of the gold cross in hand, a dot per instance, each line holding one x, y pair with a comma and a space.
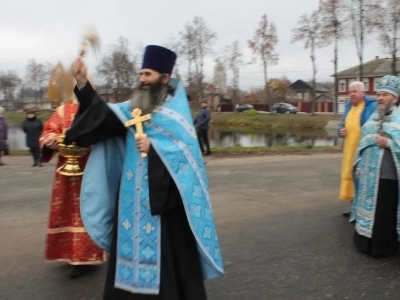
138, 121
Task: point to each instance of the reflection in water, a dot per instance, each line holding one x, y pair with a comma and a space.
228, 138
16, 137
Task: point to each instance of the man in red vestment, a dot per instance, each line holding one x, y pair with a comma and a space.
67, 239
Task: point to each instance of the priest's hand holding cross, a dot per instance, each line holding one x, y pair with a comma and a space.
142, 142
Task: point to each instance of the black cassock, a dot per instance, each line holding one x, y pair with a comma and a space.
384, 239
181, 275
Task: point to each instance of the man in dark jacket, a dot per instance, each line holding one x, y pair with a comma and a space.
33, 127
201, 123
3, 134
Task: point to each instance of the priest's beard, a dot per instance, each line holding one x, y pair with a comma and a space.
149, 99
383, 109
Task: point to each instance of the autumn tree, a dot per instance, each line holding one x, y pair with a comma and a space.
263, 46
387, 28
360, 13
37, 75
309, 31
279, 89
117, 68
9, 81
233, 60
54, 88
333, 16
60, 88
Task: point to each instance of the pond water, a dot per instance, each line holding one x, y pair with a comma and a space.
230, 137
227, 137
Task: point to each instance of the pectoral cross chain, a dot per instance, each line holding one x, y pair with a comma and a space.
138, 121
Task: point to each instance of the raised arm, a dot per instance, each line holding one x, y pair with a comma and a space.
94, 122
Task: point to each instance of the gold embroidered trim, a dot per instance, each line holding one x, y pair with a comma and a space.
66, 229
78, 263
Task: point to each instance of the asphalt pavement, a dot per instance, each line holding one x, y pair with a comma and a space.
278, 219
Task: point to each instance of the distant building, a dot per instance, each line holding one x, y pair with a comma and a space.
300, 94
300, 91
373, 70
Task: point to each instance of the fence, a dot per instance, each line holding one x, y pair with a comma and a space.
320, 107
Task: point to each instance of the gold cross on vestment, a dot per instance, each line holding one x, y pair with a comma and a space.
138, 121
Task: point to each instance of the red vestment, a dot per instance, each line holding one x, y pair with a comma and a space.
67, 239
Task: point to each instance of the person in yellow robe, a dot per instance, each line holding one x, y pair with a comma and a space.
357, 111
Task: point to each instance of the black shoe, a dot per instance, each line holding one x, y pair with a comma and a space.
207, 153
34, 165
77, 271
346, 214
1, 164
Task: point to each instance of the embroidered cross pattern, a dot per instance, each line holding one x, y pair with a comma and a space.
148, 228
126, 224
129, 174
138, 121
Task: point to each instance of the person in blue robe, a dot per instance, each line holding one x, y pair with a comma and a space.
377, 167
153, 214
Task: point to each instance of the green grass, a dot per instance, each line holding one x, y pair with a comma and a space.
238, 151
273, 121
19, 152
19, 117
300, 149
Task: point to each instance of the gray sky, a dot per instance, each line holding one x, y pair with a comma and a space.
49, 30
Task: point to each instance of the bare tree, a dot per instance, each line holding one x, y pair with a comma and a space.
387, 25
263, 46
189, 51
310, 32
118, 70
360, 13
176, 46
204, 41
220, 80
333, 24
234, 59
197, 42
37, 75
8, 83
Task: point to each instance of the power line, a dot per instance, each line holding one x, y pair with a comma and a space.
310, 70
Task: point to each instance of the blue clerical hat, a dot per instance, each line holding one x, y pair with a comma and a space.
389, 84
159, 59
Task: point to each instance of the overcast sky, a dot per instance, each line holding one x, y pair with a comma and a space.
49, 30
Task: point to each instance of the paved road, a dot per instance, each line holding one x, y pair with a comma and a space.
278, 219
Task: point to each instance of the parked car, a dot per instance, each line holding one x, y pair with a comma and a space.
284, 108
244, 107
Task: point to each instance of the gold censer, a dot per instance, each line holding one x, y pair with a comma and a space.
71, 153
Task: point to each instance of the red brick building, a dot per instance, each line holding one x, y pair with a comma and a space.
373, 71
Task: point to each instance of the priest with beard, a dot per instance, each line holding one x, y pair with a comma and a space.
377, 168
153, 213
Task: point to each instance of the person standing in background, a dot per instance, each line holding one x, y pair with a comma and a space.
3, 134
67, 239
33, 127
356, 113
201, 123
